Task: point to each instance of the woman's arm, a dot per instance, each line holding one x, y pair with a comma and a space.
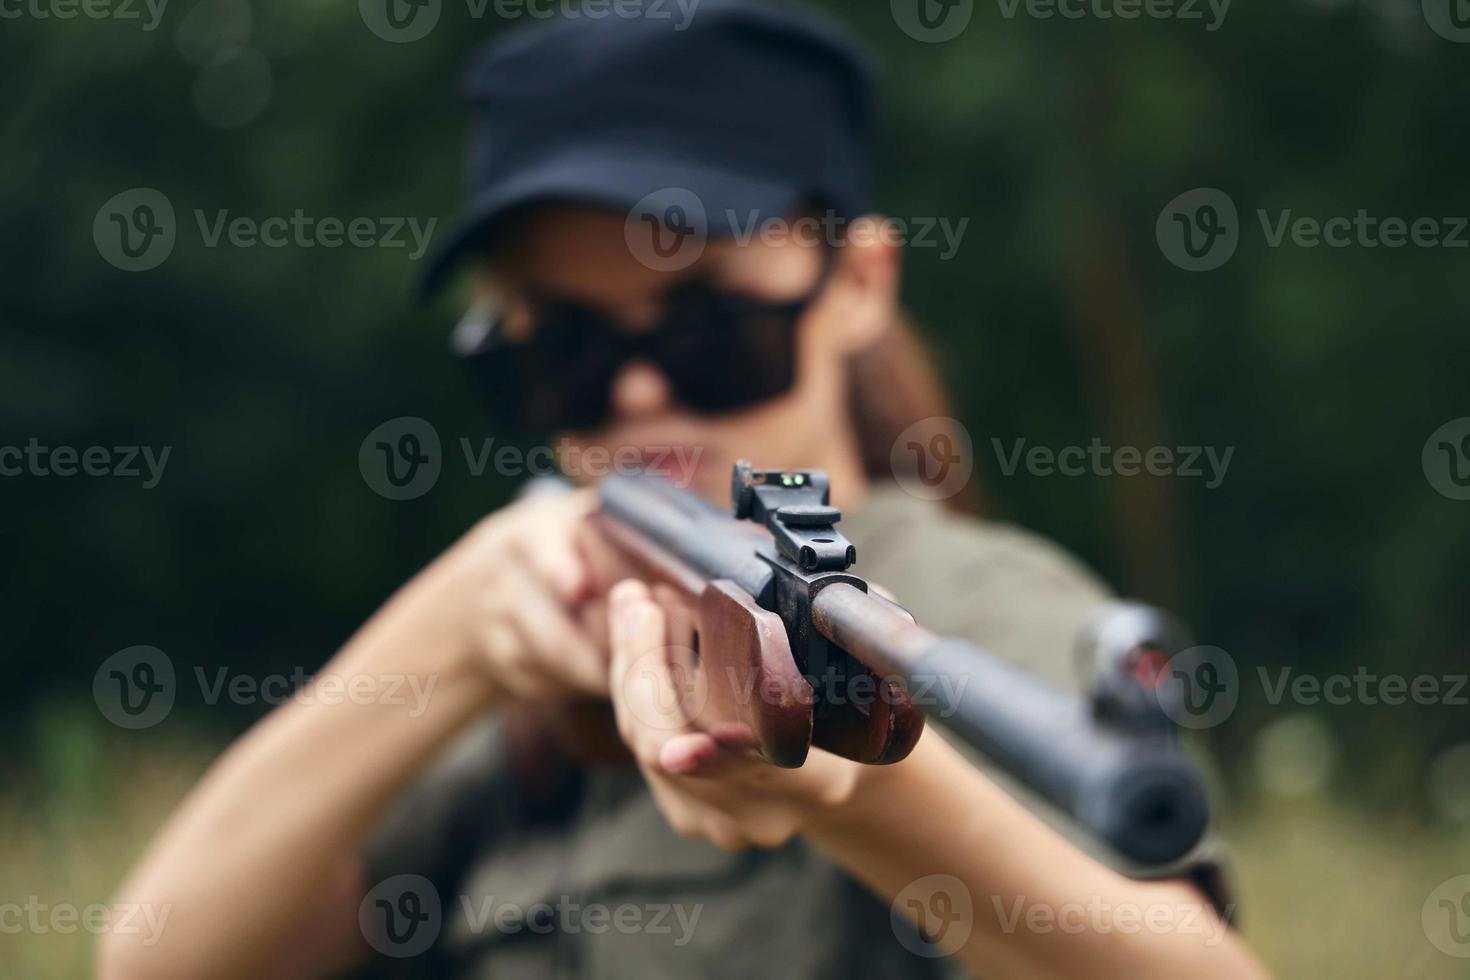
1037, 907
259, 867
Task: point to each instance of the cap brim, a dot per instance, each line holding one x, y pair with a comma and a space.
615, 181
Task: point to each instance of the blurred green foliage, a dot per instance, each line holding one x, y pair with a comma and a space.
1325, 548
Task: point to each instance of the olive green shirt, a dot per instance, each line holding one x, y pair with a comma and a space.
597, 885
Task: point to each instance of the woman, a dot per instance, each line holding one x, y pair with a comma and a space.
317, 844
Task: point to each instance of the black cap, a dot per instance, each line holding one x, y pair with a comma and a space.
740, 109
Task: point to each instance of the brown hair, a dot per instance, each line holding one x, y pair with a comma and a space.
893, 384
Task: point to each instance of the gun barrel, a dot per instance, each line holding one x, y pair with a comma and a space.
1138, 794
706, 539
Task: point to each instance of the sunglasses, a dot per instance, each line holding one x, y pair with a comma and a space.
719, 351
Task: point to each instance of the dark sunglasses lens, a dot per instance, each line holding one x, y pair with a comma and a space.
723, 352
558, 379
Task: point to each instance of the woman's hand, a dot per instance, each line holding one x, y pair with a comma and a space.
519, 587
704, 789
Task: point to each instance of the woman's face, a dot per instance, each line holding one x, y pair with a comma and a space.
581, 254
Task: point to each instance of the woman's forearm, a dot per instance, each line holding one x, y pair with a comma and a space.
1038, 906
251, 853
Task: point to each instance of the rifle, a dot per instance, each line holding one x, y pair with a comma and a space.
777, 646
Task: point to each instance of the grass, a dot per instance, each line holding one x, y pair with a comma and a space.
1326, 890
1331, 892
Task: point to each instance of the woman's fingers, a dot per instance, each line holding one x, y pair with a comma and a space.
559, 645
645, 698
690, 754
705, 789
547, 544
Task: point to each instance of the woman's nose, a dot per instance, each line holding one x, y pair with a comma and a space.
640, 389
